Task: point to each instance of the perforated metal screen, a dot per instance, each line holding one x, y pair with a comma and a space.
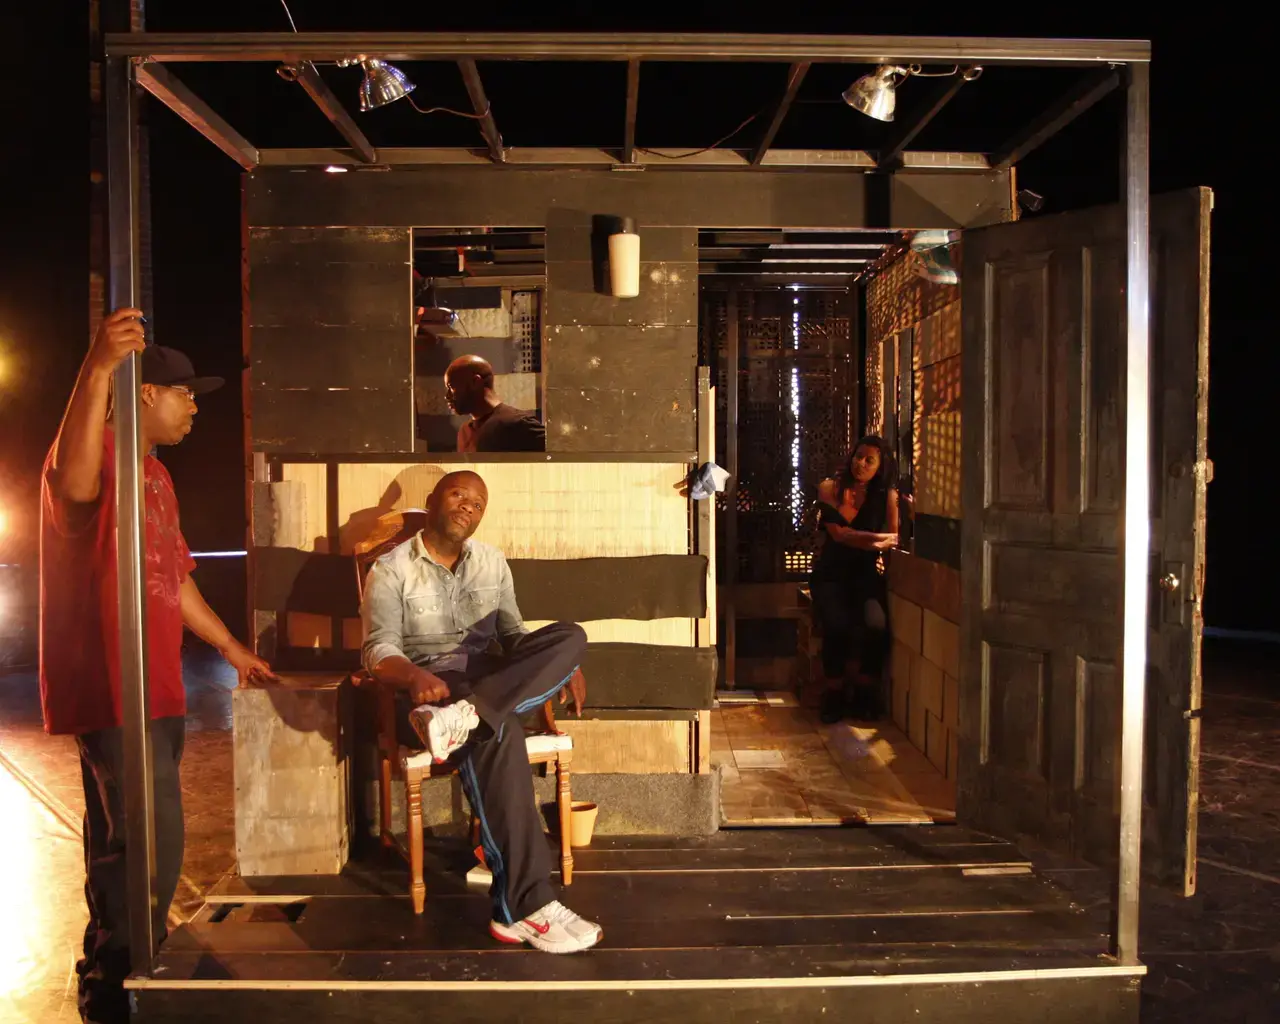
795, 382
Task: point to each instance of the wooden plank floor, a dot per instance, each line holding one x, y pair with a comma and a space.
781, 766
768, 903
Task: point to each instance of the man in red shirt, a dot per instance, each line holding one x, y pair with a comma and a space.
80, 640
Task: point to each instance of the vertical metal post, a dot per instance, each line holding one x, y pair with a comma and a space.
124, 289
1137, 522
730, 612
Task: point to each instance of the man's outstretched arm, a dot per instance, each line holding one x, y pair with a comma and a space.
203, 621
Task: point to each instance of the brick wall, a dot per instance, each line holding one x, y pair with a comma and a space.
924, 593
924, 614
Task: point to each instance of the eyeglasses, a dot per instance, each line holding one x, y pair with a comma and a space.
183, 390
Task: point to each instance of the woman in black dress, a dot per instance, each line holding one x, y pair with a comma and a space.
859, 515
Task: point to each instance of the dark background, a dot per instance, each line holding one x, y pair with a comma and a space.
1210, 104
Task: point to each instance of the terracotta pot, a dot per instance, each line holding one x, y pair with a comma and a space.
582, 822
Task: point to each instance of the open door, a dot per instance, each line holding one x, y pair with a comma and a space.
1043, 393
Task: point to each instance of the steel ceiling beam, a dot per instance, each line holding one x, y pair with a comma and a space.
164, 86
795, 77
905, 131
633, 105
758, 267
768, 282
754, 254
484, 111
332, 108
292, 47
551, 156
507, 241
736, 238
1083, 95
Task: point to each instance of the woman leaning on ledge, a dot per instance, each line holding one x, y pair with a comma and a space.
858, 512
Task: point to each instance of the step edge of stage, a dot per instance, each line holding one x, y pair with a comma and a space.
221, 895
1138, 970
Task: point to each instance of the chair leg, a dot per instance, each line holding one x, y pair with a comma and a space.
384, 802
413, 811
387, 749
564, 804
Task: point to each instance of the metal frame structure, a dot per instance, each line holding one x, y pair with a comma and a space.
143, 59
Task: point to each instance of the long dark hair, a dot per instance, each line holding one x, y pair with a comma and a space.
886, 477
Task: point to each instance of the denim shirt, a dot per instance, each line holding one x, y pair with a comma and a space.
415, 607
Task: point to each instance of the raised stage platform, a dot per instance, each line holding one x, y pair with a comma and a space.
925, 923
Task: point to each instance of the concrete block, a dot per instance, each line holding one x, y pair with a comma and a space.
916, 715
291, 746
936, 737
904, 621
659, 804
901, 688
671, 805
950, 701
926, 686
901, 659
942, 643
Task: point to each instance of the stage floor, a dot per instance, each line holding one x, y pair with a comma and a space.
738, 905
781, 766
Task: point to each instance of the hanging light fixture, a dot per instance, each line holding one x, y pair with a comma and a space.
383, 83
876, 94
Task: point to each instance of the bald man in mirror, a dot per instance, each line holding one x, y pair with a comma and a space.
494, 426
434, 608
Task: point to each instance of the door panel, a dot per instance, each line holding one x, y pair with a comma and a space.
1043, 479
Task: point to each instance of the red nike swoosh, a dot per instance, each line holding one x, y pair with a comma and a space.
541, 929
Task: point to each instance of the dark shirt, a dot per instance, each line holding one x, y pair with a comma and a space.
839, 563
505, 429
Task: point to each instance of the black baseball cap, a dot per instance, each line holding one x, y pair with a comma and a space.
167, 367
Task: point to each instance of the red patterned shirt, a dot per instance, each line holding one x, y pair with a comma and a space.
79, 621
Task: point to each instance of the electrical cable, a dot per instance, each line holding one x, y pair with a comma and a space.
707, 149
448, 110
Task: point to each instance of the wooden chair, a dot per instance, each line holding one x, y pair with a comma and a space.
550, 747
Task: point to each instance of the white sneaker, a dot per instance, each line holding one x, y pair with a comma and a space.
444, 729
553, 929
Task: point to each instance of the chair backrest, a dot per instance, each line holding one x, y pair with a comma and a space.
393, 528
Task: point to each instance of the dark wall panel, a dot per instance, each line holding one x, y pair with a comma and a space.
323, 357
581, 589
668, 295
649, 676
570, 590
834, 198
620, 677
581, 420
620, 374
620, 357
330, 347
317, 421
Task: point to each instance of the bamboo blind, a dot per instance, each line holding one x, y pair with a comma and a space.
538, 509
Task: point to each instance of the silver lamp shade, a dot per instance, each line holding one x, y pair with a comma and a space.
383, 83
876, 94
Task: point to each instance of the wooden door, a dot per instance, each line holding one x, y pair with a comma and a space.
1043, 487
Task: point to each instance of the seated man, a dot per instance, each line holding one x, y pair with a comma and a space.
494, 426
432, 609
